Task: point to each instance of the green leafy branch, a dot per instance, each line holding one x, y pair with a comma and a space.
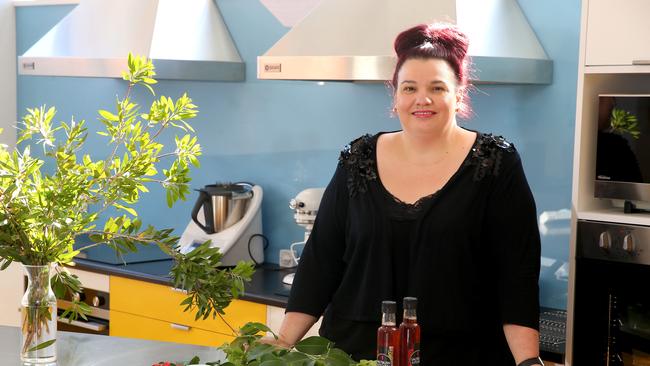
247, 349
41, 213
622, 121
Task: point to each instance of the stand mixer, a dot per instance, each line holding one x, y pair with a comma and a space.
305, 207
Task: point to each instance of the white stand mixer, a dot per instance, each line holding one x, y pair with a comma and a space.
233, 241
305, 207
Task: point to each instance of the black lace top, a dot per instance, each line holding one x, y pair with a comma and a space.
469, 253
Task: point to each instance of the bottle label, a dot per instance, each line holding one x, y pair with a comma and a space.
385, 356
414, 357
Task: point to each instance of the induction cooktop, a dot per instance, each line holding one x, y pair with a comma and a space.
104, 254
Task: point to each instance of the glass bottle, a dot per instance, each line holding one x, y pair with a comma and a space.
388, 336
409, 334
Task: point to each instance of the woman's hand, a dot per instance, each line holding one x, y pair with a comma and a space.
279, 342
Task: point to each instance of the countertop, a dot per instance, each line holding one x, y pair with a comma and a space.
266, 286
76, 349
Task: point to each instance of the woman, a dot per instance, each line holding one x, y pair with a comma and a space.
432, 211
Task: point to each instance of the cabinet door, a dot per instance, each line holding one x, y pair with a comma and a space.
163, 303
618, 32
12, 289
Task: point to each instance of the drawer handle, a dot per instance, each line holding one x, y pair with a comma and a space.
184, 328
640, 62
176, 289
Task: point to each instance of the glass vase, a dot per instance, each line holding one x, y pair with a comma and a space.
39, 316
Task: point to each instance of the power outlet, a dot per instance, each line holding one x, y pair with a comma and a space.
286, 260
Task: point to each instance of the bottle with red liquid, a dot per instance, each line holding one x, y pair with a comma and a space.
388, 336
409, 334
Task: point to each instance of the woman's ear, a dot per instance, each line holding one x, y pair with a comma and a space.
460, 95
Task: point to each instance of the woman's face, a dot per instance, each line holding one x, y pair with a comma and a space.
426, 96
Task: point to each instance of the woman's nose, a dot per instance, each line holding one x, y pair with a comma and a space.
423, 99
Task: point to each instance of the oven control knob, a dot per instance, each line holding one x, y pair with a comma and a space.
605, 241
98, 301
628, 243
78, 296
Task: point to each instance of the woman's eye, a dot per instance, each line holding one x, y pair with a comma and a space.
439, 89
408, 89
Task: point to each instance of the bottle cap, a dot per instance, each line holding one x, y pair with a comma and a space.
388, 307
410, 303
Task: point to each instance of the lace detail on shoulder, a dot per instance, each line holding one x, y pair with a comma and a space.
487, 155
358, 160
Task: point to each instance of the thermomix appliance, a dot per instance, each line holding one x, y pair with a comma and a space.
230, 216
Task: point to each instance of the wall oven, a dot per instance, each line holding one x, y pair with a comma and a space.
612, 295
98, 320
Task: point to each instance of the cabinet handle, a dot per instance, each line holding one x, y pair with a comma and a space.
640, 62
180, 327
176, 289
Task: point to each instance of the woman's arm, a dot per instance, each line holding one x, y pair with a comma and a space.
294, 327
523, 341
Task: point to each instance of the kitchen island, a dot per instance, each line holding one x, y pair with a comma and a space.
76, 349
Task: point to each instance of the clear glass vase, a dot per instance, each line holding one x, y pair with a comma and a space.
39, 316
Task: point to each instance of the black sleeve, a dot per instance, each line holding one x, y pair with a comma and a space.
514, 236
321, 263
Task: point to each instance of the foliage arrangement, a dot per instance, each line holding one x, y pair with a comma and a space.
622, 121
247, 350
47, 200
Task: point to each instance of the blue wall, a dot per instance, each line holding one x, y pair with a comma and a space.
286, 135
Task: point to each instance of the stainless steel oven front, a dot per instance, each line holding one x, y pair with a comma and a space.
612, 295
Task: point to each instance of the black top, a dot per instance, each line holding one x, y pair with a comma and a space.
470, 254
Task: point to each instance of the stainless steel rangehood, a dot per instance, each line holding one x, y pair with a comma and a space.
187, 39
353, 40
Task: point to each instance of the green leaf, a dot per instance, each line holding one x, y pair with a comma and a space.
42, 345
257, 351
108, 115
5, 264
253, 328
314, 345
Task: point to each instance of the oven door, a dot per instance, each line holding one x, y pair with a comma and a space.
612, 314
97, 322
612, 301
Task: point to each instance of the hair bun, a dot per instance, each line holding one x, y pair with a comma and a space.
440, 35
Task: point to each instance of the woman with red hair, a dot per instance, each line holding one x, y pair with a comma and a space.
433, 211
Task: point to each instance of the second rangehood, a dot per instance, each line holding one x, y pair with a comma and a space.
186, 39
353, 41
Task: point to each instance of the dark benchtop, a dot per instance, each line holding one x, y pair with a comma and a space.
265, 287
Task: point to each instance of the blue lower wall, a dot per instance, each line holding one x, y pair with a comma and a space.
286, 135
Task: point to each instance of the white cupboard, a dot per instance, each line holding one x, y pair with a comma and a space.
614, 59
617, 33
12, 289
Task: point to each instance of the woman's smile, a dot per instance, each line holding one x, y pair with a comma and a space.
423, 114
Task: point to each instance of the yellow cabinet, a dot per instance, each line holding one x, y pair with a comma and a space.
150, 311
134, 326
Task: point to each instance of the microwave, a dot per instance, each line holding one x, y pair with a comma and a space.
623, 147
